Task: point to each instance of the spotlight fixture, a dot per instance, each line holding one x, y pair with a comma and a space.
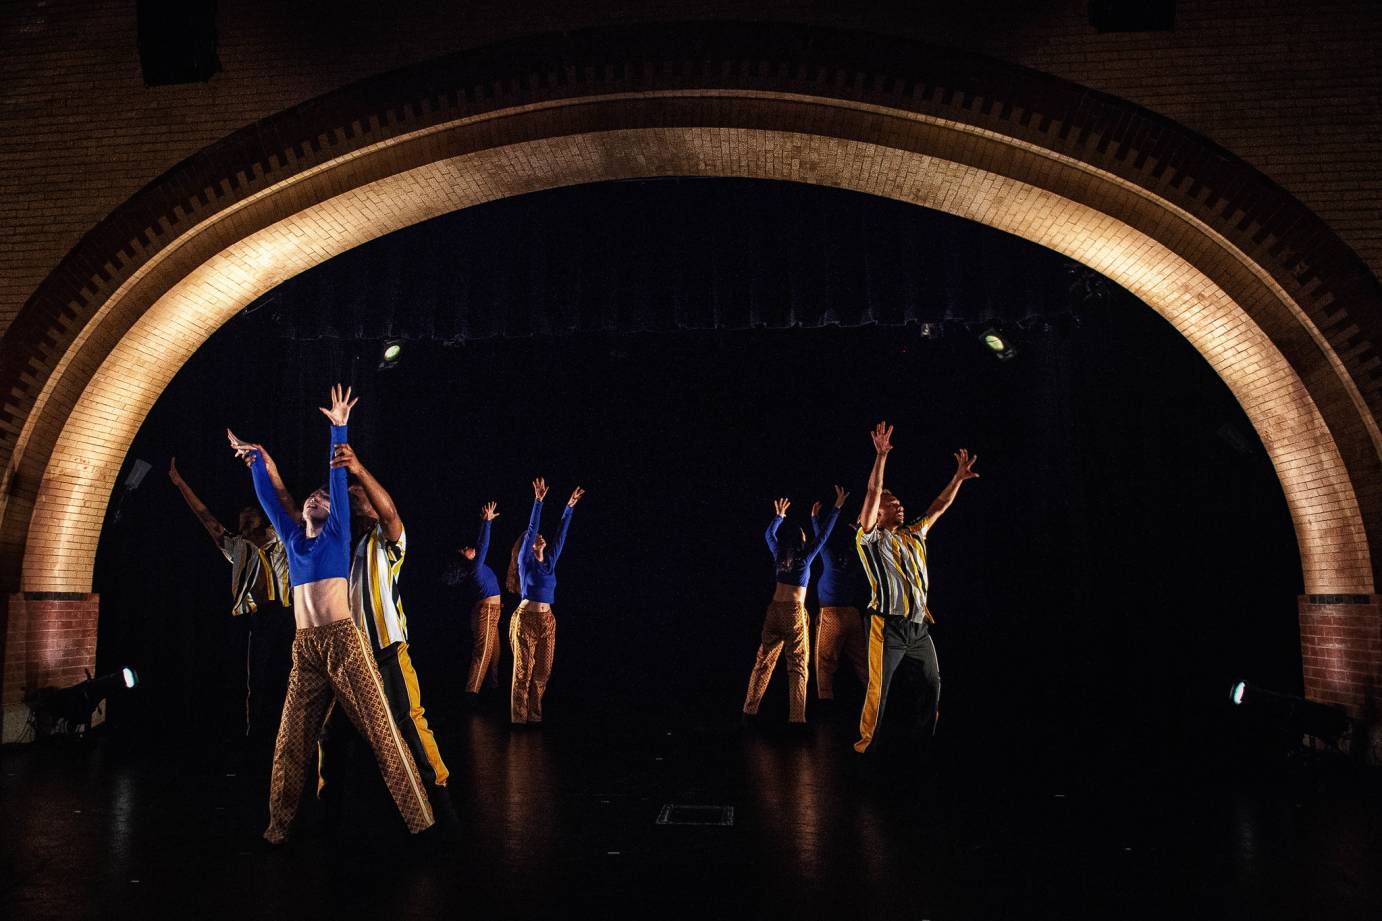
931, 331
138, 470
69, 710
1292, 716
1001, 347
390, 354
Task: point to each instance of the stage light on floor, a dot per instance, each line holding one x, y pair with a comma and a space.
391, 353
70, 710
1291, 716
998, 344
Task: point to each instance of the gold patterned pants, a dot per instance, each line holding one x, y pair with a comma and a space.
533, 636
839, 630
484, 652
784, 624
335, 662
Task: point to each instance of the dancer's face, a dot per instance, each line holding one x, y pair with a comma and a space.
251, 520
360, 505
890, 511
317, 507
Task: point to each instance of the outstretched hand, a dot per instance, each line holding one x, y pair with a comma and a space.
840, 496
964, 465
245, 450
344, 456
488, 511
341, 405
539, 489
882, 436
816, 509
575, 497
780, 506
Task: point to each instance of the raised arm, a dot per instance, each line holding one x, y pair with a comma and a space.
487, 514
339, 416
565, 523
535, 517
379, 497
882, 436
822, 531
278, 516
208, 520
285, 498
780, 507
964, 470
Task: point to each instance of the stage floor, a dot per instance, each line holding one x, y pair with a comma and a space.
563, 823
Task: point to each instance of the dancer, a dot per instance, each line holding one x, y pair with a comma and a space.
330, 653
840, 626
380, 545
533, 629
258, 570
786, 618
894, 560
472, 571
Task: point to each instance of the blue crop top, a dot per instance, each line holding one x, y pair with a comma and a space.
794, 568
539, 579
478, 575
311, 559
841, 584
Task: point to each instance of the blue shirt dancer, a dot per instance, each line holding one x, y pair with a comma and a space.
533, 628
840, 627
472, 574
331, 657
786, 620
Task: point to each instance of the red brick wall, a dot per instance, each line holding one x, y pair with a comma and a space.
1290, 87
50, 640
1341, 650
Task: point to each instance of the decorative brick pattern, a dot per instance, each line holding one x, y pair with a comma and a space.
1341, 651
50, 641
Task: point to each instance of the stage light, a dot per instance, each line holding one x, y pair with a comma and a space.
391, 353
1293, 716
69, 710
931, 331
998, 344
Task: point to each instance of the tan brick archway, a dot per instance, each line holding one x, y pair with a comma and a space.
1283, 311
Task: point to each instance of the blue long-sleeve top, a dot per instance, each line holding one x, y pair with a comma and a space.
311, 559
539, 579
477, 575
841, 582
794, 568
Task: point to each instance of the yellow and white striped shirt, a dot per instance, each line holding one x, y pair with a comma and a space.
895, 563
375, 600
249, 564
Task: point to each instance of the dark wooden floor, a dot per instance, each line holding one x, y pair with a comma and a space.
562, 823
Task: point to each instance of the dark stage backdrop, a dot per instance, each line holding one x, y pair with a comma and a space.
1125, 556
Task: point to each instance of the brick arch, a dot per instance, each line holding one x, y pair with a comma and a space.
1285, 312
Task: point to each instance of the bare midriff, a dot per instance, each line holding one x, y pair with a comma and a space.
492, 599
789, 594
319, 603
535, 605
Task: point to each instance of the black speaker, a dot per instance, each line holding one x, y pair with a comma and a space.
1132, 15
177, 41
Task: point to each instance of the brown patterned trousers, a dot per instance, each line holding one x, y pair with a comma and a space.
840, 629
335, 662
484, 653
533, 636
785, 624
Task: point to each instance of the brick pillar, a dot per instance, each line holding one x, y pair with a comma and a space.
1341, 651
49, 640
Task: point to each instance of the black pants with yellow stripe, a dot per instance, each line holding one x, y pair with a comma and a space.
892, 639
404, 696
